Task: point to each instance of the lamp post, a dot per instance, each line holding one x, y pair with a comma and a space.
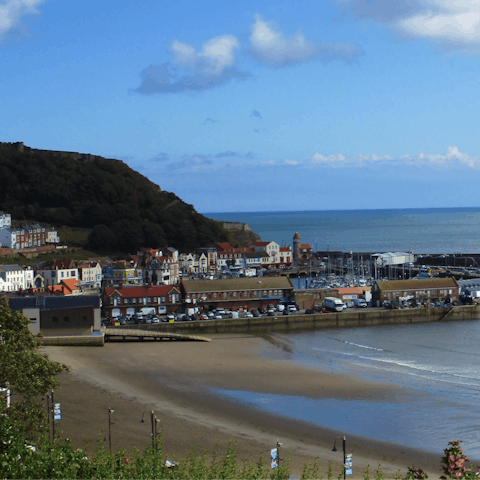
154, 420
344, 454
110, 423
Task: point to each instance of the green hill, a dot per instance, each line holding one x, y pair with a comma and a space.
123, 208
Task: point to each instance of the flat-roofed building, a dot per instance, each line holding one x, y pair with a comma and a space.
60, 315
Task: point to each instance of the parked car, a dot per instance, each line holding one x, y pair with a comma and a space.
248, 315
255, 313
262, 310
155, 320
272, 313
287, 312
309, 311
204, 316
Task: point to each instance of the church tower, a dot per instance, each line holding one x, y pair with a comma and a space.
296, 246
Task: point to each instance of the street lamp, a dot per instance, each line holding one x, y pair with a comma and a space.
154, 420
344, 455
110, 423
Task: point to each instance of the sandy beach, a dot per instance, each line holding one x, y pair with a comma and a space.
175, 380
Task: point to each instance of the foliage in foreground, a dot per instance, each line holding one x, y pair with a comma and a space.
24, 371
59, 460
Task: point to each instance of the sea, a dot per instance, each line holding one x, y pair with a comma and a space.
421, 231
437, 364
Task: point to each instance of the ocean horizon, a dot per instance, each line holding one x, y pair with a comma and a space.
419, 230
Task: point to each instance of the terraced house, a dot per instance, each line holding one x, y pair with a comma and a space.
130, 299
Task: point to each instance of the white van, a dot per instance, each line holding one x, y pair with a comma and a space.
147, 311
334, 304
360, 303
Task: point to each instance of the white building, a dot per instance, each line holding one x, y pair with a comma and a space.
393, 258
5, 220
51, 236
90, 274
60, 270
14, 278
8, 237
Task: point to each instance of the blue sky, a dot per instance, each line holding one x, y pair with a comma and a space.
255, 106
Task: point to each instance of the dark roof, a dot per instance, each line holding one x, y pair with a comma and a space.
236, 284
138, 291
54, 302
256, 255
417, 284
10, 268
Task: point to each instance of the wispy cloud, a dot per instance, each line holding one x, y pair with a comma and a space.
210, 120
270, 46
450, 158
11, 12
213, 65
256, 114
161, 157
191, 162
454, 25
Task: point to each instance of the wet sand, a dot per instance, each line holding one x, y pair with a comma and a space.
174, 379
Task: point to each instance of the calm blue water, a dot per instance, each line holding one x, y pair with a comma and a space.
438, 364
444, 230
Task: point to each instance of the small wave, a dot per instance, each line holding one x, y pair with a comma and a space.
356, 344
422, 368
364, 346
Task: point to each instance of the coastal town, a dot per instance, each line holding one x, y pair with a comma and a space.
216, 282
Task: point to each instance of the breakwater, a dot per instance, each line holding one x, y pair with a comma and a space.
346, 319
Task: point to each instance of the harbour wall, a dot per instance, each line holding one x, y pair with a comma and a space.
346, 319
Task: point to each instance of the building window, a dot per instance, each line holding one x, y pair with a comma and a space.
66, 319
55, 319
84, 318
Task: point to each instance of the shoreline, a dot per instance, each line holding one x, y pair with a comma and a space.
176, 380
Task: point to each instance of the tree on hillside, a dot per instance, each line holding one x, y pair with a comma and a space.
23, 371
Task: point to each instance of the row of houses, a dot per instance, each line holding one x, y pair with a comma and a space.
149, 266
202, 295
26, 236
81, 314
253, 293
60, 275
166, 266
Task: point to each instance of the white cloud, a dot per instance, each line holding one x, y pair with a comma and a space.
212, 66
12, 10
450, 158
216, 55
453, 24
271, 47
